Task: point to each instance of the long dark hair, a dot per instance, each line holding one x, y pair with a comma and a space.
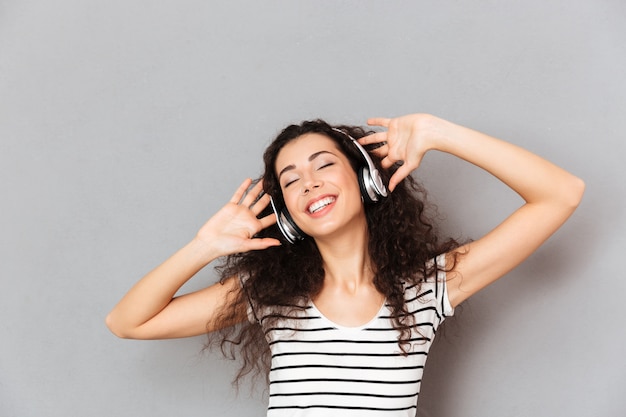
403, 240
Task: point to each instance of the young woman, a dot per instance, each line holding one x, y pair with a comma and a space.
342, 298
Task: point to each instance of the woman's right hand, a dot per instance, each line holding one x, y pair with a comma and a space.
151, 309
232, 229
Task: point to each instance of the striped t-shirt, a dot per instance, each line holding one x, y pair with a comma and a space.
319, 368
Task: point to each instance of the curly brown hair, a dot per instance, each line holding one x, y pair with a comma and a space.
403, 239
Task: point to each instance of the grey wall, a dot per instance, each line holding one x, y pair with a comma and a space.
125, 124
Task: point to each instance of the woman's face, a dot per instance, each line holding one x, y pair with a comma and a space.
319, 186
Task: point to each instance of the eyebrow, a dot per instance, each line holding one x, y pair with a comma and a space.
311, 158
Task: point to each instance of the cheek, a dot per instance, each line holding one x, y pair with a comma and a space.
291, 200
352, 182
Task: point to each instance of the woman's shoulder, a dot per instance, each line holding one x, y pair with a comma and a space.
429, 289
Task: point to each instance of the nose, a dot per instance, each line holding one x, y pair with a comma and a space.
310, 184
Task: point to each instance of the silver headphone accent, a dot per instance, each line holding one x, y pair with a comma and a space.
287, 226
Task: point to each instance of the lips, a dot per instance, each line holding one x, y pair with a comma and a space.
319, 204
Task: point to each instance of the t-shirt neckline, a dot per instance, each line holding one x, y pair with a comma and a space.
350, 328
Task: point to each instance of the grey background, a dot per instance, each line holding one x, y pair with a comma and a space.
124, 125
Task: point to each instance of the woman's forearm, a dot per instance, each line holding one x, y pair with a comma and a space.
155, 291
150, 311
535, 179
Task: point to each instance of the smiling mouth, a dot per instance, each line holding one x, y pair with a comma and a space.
320, 204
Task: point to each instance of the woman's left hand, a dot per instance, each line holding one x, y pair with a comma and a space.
550, 193
405, 142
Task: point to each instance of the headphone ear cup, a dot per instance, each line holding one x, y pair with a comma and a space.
286, 225
369, 195
369, 190
289, 228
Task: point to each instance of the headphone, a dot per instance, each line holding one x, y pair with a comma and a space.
370, 182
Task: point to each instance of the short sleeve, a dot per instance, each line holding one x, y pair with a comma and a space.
446, 308
432, 294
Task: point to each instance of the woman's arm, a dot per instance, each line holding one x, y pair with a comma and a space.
150, 310
550, 193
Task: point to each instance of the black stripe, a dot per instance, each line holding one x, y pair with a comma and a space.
360, 381
419, 284
280, 316
377, 355
442, 305
301, 407
391, 329
410, 313
420, 295
348, 394
361, 342
421, 310
369, 368
295, 329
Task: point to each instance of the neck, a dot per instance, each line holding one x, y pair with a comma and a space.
347, 263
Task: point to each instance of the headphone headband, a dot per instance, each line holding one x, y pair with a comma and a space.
374, 186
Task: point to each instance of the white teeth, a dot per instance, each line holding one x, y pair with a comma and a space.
320, 204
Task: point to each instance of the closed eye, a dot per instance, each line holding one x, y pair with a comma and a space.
287, 184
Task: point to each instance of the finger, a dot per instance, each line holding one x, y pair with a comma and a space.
378, 121
390, 158
397, 177
386, 162
252, 195
381, 152
264, 243
267, 221
260, 204
241, 191
396, 153
377, 137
